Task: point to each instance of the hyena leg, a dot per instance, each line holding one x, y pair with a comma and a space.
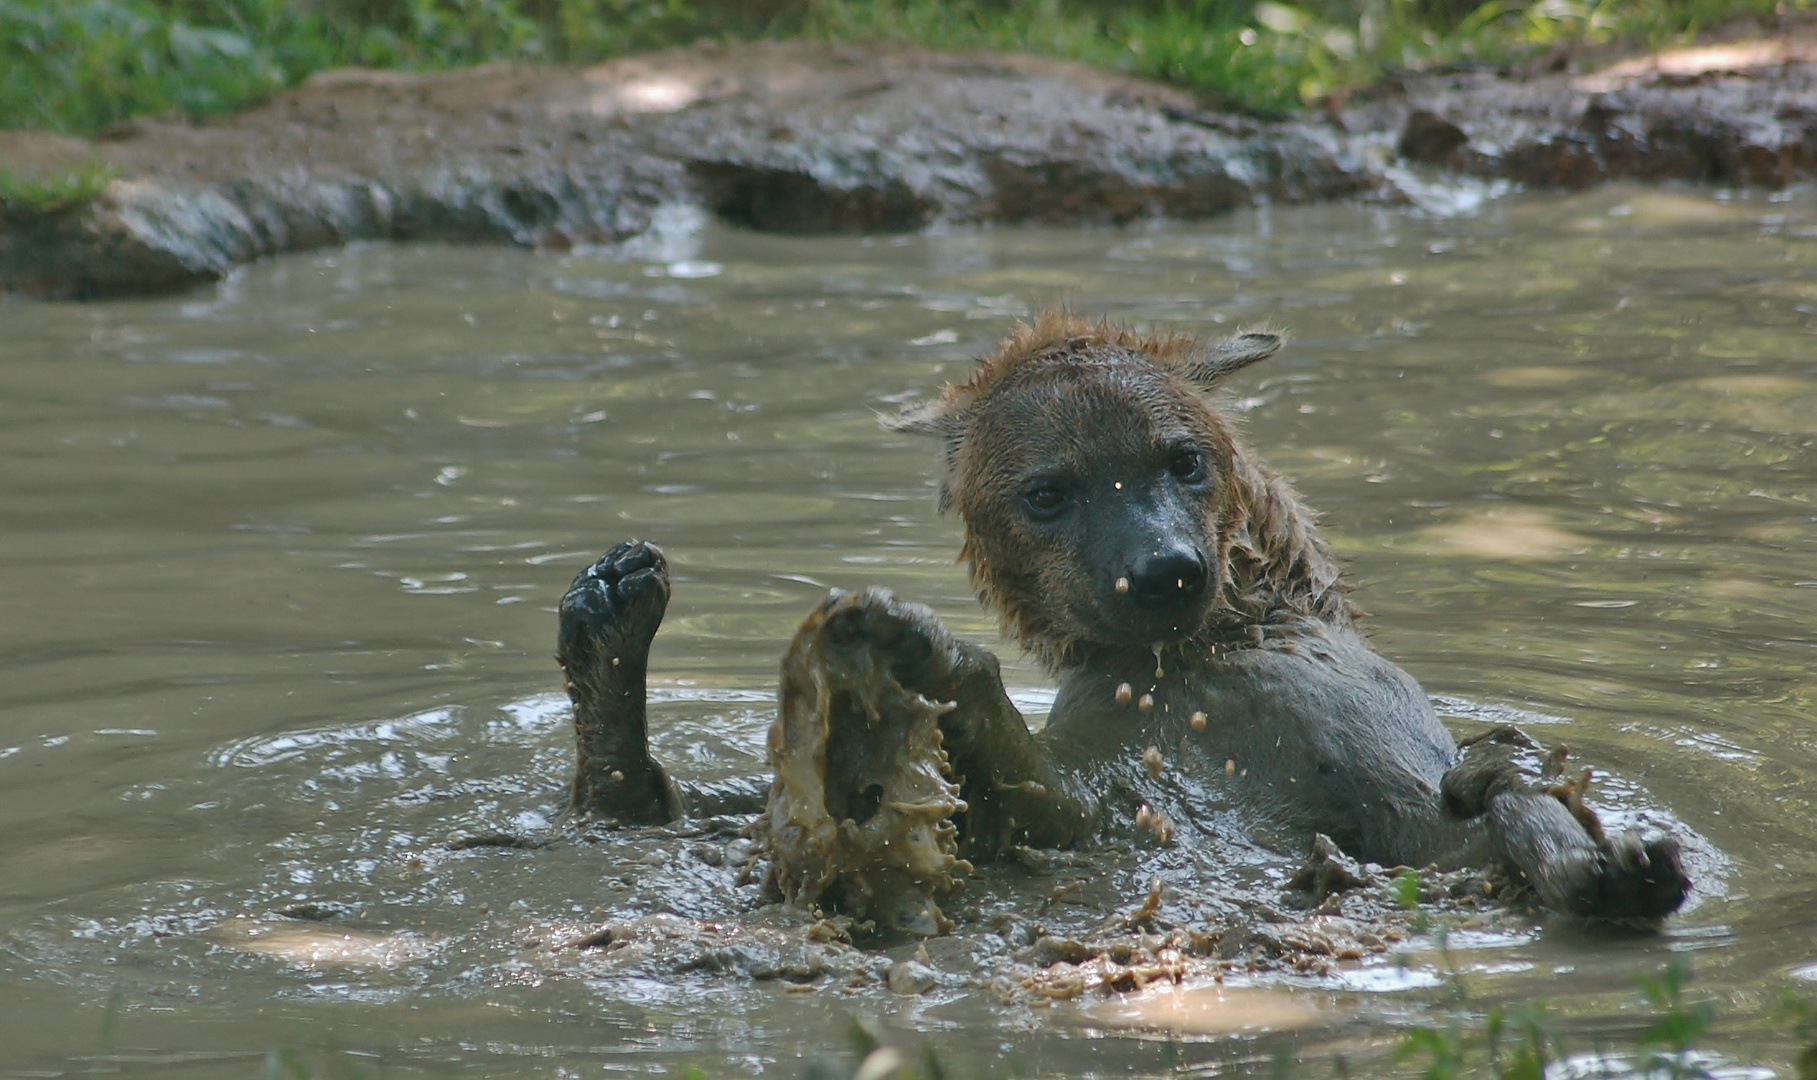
1014, 793
1552, 841
608, 619
865, 812
860, 813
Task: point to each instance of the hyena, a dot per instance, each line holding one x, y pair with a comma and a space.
1182, 596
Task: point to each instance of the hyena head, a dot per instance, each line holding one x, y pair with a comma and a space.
1106, 501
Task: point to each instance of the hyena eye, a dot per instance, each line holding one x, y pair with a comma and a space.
1044, 500
1187, 464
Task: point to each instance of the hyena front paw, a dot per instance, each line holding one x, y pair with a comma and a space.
614, 606
860, 813
907, 639
608, 618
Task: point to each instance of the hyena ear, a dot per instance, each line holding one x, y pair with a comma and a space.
1234, 354
940, 418
926, 418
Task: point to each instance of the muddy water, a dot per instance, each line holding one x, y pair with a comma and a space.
280, 558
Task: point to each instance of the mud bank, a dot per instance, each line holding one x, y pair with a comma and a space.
803, 138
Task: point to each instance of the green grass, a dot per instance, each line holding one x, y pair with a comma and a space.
1271, 57
80, 65
53, 194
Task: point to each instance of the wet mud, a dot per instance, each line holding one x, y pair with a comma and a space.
807, 138
1062, 932
1740, 116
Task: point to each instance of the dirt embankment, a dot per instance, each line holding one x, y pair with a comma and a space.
799, 137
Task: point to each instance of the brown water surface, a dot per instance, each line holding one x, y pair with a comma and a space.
279, 563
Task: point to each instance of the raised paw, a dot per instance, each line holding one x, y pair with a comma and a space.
608, 618
912, 643
860, 814
614, 606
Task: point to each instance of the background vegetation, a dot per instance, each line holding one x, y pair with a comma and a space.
80, 65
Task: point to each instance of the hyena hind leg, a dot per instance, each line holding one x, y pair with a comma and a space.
1552, 841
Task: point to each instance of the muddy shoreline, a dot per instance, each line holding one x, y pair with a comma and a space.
800, 137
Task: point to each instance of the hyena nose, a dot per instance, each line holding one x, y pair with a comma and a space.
1167, 576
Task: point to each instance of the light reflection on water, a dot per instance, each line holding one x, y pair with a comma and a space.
281, 560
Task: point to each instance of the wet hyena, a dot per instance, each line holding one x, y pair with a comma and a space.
1181, 594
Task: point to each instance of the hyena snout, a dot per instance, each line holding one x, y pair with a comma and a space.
1168, 577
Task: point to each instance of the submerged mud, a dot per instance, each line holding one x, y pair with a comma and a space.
806, 138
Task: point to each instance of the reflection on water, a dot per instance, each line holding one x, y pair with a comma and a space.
1208, 1010
281, 558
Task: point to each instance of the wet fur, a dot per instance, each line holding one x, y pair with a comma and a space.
1272, 564
1307, 729
1209, 665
